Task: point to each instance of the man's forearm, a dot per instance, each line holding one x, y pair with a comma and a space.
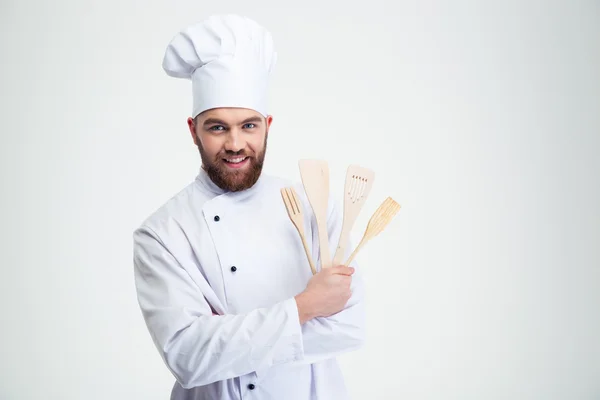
305, 307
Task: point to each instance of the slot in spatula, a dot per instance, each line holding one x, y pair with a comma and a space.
359, 181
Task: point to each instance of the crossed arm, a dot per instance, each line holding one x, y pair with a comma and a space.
200, 347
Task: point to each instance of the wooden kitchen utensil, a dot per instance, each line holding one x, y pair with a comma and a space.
315, 179
380, 219
359, 181
294, 210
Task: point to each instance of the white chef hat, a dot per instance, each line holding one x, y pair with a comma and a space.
228, 58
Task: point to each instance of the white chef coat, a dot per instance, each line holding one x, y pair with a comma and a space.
238, 255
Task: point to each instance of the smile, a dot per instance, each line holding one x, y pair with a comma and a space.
236, 162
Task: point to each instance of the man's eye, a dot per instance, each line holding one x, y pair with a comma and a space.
249, 125
217, 128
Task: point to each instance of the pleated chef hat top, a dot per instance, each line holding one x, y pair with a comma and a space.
228, 58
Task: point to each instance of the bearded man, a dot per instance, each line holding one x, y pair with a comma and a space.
221, 276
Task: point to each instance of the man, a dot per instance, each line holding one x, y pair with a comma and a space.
221, 275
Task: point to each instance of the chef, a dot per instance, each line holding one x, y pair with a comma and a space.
222, 279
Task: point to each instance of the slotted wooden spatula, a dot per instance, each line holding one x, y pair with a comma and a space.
315, 179
294, 210
380, 219
359, 181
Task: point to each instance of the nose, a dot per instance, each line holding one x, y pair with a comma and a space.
235, 141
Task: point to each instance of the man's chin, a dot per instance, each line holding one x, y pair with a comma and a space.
235, 178
238, 183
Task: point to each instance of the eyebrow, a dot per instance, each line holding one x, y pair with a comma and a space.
252, 119
211, 121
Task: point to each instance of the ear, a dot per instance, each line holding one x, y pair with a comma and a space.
269, 120
192, 128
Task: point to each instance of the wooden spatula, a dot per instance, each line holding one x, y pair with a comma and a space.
380, 219
294, 210
315, 179
359, 181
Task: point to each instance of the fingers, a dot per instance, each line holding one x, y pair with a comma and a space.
342, 270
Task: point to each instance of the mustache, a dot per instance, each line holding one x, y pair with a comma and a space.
229, 153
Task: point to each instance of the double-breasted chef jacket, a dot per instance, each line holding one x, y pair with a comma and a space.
216, 274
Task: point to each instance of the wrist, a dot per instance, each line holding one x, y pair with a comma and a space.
305, 309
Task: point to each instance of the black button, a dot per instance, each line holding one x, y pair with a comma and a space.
217, 218
251, 386
234, 268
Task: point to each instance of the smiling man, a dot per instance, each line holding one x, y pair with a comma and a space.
222, 279
232, 144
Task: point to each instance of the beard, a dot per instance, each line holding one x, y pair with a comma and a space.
230, 179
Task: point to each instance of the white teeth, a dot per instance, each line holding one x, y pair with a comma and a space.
235, 160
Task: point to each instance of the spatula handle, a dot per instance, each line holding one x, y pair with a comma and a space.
341, 248
356, 250
307, 251
351, 258
324, 246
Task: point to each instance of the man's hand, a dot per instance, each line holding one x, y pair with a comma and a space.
327, 293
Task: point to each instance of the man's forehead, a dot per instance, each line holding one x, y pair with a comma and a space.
230, 115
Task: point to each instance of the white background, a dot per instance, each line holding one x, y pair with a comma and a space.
481, 119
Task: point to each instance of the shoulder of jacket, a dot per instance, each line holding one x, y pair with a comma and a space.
275, 181
177, 207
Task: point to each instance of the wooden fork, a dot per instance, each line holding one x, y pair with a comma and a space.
294, 210
380, 219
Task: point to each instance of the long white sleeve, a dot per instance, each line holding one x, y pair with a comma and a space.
328, 337
200, 348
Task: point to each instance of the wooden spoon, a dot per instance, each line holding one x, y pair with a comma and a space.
359, 181
294, 210
380, 219
315, 179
